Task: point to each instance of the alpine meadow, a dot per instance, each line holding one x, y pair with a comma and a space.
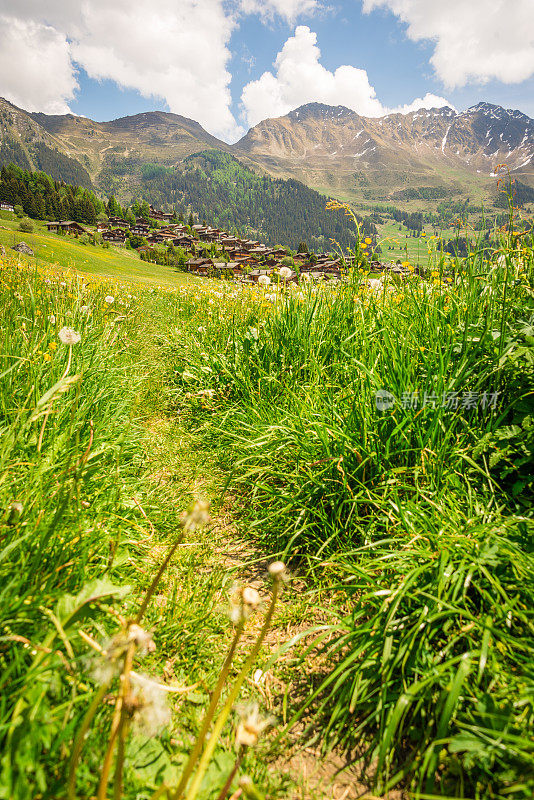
266, 402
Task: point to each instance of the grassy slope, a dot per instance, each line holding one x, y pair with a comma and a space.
113, 263
112, 518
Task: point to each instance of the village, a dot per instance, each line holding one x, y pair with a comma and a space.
215, 253
212, 252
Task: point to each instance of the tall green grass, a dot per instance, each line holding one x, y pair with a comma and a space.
85, 521
422, 513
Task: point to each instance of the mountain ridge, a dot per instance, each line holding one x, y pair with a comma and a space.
329, 148
327, 145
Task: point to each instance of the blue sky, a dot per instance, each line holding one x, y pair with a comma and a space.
214, 60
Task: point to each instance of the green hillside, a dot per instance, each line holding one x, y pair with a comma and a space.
219, 188
113, 263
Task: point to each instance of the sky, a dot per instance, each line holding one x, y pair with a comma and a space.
231, 63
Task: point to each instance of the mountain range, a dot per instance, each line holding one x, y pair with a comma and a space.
329, 148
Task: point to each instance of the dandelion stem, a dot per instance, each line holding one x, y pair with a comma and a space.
226, 788
152, 588
160, 792
223, 716
199, 743
45, 420
116, 723
80, 739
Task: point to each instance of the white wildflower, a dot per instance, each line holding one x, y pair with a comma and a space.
84, 309
285, 272
69, 336
52, 319
264, 280
109, 299
201, 329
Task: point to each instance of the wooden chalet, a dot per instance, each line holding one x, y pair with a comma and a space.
118, 222
117, 236
68, 226
209, 235
140, 229
331, 266
199, 266
6, 206
155, 238
161, 215
254, 274
182, 241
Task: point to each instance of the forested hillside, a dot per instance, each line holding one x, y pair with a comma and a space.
217, 187
42, 197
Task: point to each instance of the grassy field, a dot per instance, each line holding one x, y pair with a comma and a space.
377, 438
406, 247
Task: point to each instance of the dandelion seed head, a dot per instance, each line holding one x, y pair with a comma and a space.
285, 272
143, 639
150, 706
264, 280
196, 516
69, 336
243, 601
277, 569
109, 299
250, 726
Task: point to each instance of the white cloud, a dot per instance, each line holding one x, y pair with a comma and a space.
474, 39
25, 46
287, 9
428, 101
300, 78
175, 50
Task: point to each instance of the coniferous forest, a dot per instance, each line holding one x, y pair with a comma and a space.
42, 197
227, 194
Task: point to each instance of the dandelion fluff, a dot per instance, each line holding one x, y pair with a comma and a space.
69, 336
